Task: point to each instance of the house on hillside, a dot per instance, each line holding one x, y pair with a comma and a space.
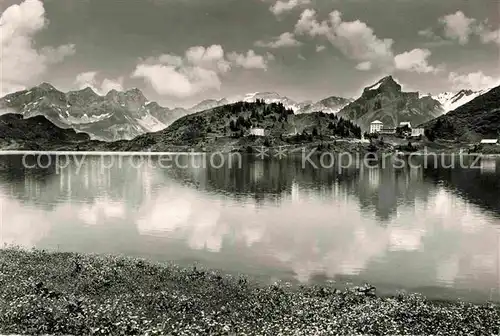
405, 123
491, 142
416, 132
257, 131
376, 126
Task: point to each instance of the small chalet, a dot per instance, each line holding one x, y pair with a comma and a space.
405, 123
489, 142
257, 132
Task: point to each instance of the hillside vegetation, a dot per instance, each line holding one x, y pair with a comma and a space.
37, 133
234, 121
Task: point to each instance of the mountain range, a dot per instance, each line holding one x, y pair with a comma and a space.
115, 116
126, 115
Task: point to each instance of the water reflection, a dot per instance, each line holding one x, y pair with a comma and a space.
404, 227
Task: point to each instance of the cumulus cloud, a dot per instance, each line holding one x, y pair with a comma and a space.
250, 60
427, 33
433, 40
308, 24
358, 42
270, 57
320, 48
22, 64
474, 81
182, 82
281, 7
415, 60
208, 58
364, 66
284, 40
172, 60
458, 26
199, 70
488, 35
354, 39
89, 79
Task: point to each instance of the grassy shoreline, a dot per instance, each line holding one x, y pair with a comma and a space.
68, 293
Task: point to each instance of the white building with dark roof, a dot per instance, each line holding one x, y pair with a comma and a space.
376, 126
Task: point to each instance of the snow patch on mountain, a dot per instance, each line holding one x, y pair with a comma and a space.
327, 105
453, 100
272, 97
150, 123
375, 86
84, 119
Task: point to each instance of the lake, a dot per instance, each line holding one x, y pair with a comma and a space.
429, 228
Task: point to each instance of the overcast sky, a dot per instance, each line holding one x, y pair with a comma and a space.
182, 51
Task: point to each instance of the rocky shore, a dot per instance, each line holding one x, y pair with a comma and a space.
67, 293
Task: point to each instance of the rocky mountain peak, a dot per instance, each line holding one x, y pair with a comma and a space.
46, 87
386, 84
385, 101
112, 93
88, 91
132, 98
465, 92
262, 95
136, 95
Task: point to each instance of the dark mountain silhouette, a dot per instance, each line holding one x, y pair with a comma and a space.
37, 133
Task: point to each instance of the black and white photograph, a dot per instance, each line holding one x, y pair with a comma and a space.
250, 167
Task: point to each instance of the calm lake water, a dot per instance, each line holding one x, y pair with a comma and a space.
434, 230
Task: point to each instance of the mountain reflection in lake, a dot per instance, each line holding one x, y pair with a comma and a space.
433, 230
